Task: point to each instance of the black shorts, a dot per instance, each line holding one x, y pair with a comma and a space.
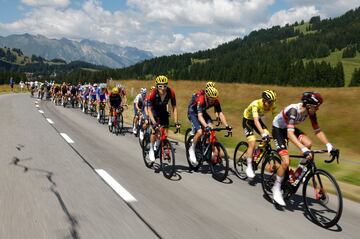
281, 139
162, 118
249, 127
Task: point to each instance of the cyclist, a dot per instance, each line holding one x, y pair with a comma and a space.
252, 121
64, 90
284, 129
85, 96
122, 93
114, 102
157, 102
100, 97
139, 106
199, 118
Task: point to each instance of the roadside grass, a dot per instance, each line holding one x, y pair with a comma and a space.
5, 89
338, 117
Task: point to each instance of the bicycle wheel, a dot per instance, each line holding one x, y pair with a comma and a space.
121, 123
167, 159
198, 153
268, 174
145, 150
240, 162
187, 135
322, 198
219, 162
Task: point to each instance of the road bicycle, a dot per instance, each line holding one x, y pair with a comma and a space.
117, 125
102, 113
321, 194
262, 151
209, 149
163, 150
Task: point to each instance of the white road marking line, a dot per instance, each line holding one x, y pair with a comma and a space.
41, 112
50, 121
37, 106
67, 138
120, 190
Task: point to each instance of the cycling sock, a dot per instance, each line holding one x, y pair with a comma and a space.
278, 182
249, 162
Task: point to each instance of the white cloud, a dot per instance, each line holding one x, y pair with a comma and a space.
53, 3
165, 26
291, 15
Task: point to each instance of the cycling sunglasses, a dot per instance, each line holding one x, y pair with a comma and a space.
162, 87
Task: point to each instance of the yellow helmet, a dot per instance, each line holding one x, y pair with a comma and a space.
115, 90
161, 80
269, 95
210, 84
211, 92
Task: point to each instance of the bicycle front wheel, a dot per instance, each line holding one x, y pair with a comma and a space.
219, 162
268, 174
145, 150
240, 162
167, 159
322, 198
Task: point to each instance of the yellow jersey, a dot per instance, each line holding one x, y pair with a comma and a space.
256, 109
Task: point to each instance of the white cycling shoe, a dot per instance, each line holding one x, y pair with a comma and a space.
192, 155
151, 155
134, 130
141, 135
250, 172
277, 196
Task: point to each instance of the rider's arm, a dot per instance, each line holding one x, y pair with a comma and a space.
173, 104
220, 114
320, 134
291, 129
258, 126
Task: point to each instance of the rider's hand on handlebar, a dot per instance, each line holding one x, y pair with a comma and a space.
177, 125
329, 147
307, 153
229, 128
265, 137
207, 129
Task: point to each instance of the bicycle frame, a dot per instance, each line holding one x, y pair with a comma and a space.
307, 171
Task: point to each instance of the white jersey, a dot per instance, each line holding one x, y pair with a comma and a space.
281, 120
137, 99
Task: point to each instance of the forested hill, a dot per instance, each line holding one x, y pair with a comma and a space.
280, 55
13, 63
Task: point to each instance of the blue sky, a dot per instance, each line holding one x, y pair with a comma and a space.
160, 26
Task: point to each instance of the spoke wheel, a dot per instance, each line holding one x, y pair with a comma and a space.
240, 162
167, 159
322, 198
145, 150
219, 162
268, 174
198, 153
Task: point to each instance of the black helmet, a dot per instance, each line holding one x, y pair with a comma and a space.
312, 98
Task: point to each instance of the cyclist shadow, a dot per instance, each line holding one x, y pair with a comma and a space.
296, 203
176, 176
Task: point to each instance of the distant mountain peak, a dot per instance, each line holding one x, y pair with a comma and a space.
88, 50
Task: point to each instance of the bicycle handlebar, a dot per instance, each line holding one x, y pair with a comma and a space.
334, 154
221, 129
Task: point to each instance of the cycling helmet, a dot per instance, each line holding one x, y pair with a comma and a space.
161, 80
269, 95
210, 84
115, 90
211, 92
95, 85
311, 98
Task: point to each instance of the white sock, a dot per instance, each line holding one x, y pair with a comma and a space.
278, 182
249, 162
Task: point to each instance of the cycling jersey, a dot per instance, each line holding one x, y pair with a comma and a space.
291, 115
93, 94
101, 95
197, 105
286, 120
256, 109
159, 107
115, 100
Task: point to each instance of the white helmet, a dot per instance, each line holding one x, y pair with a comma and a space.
143, 91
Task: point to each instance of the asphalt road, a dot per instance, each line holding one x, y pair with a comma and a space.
92, 184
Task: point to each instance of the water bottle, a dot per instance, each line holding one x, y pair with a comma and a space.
299, 171
256, 154
292, 176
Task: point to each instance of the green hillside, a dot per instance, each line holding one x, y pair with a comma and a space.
293, 55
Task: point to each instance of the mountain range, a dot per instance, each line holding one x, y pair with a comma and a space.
91, 51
